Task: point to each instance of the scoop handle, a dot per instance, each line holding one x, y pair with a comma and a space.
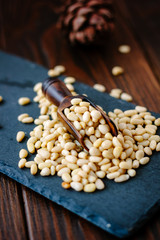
55, 90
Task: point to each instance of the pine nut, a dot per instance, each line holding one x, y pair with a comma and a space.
144, 160
45, 172
66, 185
31, 147
99, 184
60, 69
122, 178
23, 101
113, 175
158, 147
91, 187
23, 153
66, 177
1, 99
33, 169
69, 80
131, 172
99, 87
127, 97
157, 122
27, 120
29, 164
22, 162
117, 70
20, 136
124, 49
76, 186
152, 145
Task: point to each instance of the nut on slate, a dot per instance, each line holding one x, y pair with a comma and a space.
99, 87
24, 101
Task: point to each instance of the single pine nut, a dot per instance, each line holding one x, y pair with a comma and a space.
76, 101
37, 87
27, 120
23, 101
63, 170
124, 49
144, 160
20, 136
131, 172
99, 184
22, 162
33, 169
153, 145
113, 175
126, 97
148, 151
139, 154
157, 122
117, 151
66, 185
53, 73
60, 69
23, 153
117, 70
116, 92
158, 147
122, 178
45, 172
77, 186
91, 187
31, 147
66, 177
1, 99
69, 80
141, 109
99, 87
29, 164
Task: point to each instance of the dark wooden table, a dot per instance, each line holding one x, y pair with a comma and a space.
28, 29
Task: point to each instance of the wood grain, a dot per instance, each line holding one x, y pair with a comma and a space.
12, 215
30, 30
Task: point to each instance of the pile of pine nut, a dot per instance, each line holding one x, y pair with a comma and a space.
117, 158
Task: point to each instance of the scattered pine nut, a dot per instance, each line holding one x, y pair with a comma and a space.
115, 92
24, 101
27, 120
23, 153
59, 69
127, 97
69, 80
20, 136
22, 162
53, 73
124, 49
66, 185
99, 87
117, 70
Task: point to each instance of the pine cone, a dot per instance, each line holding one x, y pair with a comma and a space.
88, 21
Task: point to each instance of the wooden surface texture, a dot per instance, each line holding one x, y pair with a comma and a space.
29, 29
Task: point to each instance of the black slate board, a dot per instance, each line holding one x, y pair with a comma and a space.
119, 209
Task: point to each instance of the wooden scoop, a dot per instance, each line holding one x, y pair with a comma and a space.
57, 93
